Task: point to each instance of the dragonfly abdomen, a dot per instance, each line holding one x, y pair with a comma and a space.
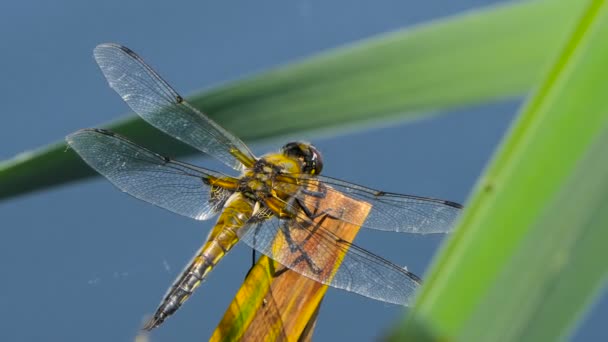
221, 239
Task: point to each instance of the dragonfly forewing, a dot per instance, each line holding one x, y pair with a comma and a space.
389, 212
160, 105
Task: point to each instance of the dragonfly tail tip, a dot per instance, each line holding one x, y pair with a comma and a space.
153, 323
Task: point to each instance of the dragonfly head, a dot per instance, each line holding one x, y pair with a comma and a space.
308, 155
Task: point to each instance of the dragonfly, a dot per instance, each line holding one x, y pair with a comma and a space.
277, 195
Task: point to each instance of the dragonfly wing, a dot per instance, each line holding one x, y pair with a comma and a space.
303, 247
161, 106
389, 212
176, 186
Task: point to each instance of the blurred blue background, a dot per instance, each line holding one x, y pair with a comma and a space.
86, 262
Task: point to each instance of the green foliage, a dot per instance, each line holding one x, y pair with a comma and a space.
527, 256
477, 57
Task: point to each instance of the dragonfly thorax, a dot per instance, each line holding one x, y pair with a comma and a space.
265, 170
264, 179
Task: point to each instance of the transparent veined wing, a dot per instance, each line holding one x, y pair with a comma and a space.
170, 184
302, 246
157, 103
390, 211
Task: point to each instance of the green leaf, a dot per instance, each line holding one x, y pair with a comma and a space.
528, 255
476, 57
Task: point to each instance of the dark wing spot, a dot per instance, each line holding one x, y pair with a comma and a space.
453, 204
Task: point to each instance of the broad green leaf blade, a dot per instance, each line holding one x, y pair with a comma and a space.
560, 265
578, 271
534, 216
476, 57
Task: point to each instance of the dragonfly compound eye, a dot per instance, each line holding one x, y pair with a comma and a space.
309, 156
316, 161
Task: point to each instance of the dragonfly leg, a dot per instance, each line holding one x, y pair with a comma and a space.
297, 247
252, 263
321, 193
253, 256
317, 194
305, 258
325, 214
302, 258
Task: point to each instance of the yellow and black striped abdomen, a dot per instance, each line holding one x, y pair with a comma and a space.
237, 211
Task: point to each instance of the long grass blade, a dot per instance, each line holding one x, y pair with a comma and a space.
476, 57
